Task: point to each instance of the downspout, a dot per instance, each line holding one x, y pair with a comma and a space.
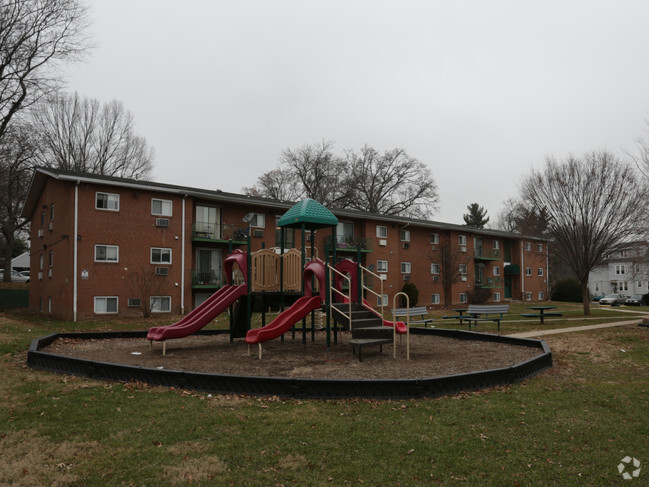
522, 270
75, 284
182, 261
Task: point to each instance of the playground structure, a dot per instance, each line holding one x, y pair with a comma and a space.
337, 286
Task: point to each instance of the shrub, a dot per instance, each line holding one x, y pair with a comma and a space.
413, 294
567, 290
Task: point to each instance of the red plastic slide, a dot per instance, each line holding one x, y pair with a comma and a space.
285, 320
402, 328
200, 316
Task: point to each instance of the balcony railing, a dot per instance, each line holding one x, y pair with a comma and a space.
207, 278
489, 283
346, 243
487, 254
218, 232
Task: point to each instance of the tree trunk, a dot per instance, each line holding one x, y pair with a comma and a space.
7, 252
586, 298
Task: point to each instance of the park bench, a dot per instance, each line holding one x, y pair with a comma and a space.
482, 312
420, 311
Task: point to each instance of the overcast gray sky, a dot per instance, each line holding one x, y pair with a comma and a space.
480, 91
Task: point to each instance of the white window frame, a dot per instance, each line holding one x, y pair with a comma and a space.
404, 235
434, 238
528, 246
435, 298
115, 200
406, 268
496, 244
434, 269
51, 259
539, 247
382, 300
258, 220
464, 298
163, 203
161, 299
381, 266
496, 297
463, 269
381, 231
104, 299
528, 271
620, 269
107, 246
541, 296
162, 252
496, 270
622, 286
539, 272
461, 240
528, 296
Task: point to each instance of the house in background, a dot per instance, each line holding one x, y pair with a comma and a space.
625, 270
97, 240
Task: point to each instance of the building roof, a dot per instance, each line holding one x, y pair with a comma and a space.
41, 175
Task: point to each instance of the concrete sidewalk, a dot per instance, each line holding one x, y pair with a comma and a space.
539, 333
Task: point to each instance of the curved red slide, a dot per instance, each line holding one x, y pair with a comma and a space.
401, 326
285, 320
200, 316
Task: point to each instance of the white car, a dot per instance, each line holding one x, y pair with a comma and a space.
15, 276
613, 299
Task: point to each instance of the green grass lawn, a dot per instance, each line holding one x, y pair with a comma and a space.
570, 425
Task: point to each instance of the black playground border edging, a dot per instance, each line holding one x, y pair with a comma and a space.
297, 388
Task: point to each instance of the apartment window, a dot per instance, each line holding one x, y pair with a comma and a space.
496, 245
620, 269
289, 235
528, 246
345, 232
434, 238
461, 239
381, 266
160, 304
404, 235
382, 300
463, 269
42, 218
496, 270
107, 201
161, 207
258, 220
597, 287
637, 268
41, 260
528, 296
434, 299
405, 267
622, 286
539, 247
381, 231
541, 295
106, 304
639, 283
51, 262
49, 305
623, 253
496, 297
528, 271
160, 256
52, 212
106, 253
434, 268
539, 272
464, 298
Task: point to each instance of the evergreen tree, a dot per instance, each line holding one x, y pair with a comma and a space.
477, 216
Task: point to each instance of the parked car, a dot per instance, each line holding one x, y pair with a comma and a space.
613, 299
15, 276
597, 297
635, 300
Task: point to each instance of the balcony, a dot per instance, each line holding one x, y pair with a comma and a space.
215, 232
345, 243
206, 279
487, 254
489, 283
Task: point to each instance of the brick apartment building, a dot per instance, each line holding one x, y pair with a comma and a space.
91, 235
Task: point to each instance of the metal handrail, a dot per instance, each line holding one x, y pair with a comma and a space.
333, 289
365, 270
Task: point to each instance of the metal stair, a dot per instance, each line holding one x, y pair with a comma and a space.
367, 328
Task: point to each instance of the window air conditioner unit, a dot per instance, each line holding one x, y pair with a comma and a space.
162, 222
383, 242
161, 271
134, 302
406, 277
40, 276
434, 248
406, 245
464, 278
50, 226
383, 277
49, 273
40, 232
258, 233
463, 249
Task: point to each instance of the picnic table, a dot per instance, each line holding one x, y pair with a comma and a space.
541, 312
459, 314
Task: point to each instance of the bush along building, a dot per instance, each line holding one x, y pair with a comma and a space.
111, 246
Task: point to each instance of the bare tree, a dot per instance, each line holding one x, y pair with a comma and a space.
592, 206
80, 134
35, 37
449, 260
143, 284
279, 184
16, 156
392, 183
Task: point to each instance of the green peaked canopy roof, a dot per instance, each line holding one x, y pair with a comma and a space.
310, 213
